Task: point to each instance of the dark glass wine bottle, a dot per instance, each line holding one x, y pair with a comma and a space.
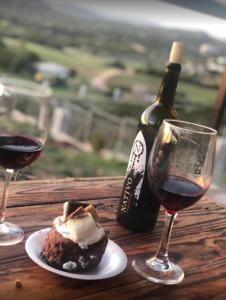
138, 209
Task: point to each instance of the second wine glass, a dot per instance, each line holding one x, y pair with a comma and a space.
180, 170
21, 143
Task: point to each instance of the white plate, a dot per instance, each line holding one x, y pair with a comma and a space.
113, 262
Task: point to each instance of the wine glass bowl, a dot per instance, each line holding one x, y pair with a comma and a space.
180, 170
181, 166
21, 143
18, 150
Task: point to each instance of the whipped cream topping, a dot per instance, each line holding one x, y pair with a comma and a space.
82, 230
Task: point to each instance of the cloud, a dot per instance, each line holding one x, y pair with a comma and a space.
157, 12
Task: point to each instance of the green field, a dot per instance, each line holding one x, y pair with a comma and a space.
85, 63
195, 93
89, 65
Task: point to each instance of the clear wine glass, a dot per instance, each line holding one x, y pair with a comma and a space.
21, 143
180, 170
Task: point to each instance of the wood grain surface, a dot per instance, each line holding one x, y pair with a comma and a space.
198, 244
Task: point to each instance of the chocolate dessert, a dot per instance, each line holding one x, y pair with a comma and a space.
76, 241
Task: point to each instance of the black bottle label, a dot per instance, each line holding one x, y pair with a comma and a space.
134, 174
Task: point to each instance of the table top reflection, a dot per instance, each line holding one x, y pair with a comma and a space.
198, 244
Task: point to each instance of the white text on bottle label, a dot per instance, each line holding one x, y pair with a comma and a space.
135, 173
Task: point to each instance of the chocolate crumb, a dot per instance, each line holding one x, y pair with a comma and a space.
18, 284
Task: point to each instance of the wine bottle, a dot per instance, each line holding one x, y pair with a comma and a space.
138, 208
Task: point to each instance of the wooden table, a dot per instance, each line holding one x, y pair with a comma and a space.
198, 244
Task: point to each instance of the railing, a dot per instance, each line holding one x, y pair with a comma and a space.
77, 125
73, 124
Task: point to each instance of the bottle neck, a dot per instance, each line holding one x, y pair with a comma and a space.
168, 85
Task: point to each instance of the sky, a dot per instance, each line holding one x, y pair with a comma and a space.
160, 13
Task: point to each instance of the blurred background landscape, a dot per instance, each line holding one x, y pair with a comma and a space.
93, 74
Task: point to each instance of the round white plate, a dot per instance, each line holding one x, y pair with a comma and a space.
113, 262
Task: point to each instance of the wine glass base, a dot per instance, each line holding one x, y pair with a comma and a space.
156, 271
10, 234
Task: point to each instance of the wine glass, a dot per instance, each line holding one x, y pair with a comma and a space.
180, 169
21, 143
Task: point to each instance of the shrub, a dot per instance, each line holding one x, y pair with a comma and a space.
22, 61
97, 140
117, 64
17, 60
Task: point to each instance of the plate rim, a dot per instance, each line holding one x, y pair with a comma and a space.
33, 256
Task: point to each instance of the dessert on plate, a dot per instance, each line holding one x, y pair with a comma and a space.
76, 241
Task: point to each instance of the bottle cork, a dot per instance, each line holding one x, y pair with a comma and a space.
176, 52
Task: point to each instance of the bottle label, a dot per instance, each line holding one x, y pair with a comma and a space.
134, 174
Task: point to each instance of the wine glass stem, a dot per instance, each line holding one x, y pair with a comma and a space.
162, 253
8, 176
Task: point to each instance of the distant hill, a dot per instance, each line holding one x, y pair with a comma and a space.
60, 23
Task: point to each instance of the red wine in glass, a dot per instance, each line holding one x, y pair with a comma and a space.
177, 193
18, 151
